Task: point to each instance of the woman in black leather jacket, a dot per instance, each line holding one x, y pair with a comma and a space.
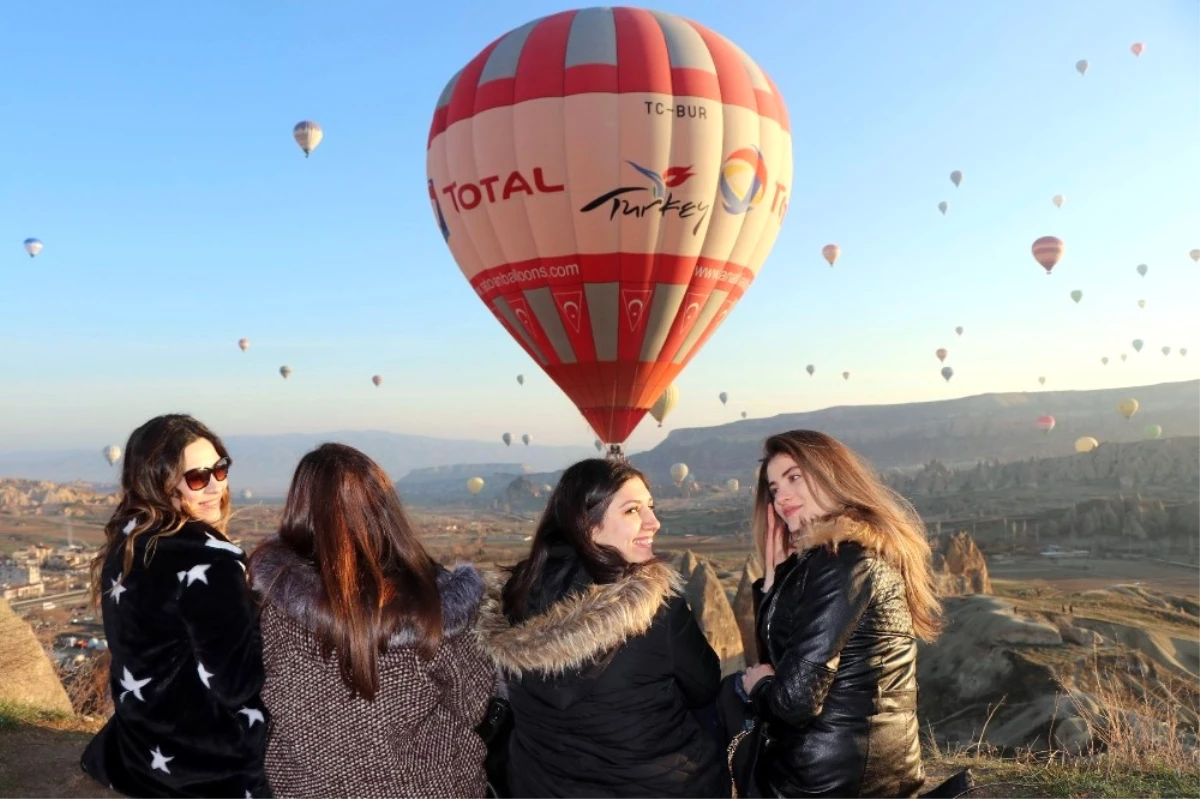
847, 593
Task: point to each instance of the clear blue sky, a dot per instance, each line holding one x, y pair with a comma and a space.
148, 144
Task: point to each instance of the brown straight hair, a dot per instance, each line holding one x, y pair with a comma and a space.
343, 515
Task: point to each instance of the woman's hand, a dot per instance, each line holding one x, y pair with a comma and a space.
775, 547
754, 674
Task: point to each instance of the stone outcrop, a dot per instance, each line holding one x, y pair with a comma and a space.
743, 612
713, 613
959, 567
27, 677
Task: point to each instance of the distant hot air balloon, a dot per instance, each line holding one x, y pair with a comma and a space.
1081, 66
547, 488
243, 344
308, 135
1153, 431
1123, 357
947, 373
1104, 360
1194, 255
956, 177
1047, 251
678, 472
247, 494
553, 173
733, 485
507, 439
943, 206
1137, 344
1137, 48
723, 397
1086, 444
1077, 295
376, 380
1058, 200
1042, 380
941, 354
33, 246
958, 330
1142, 269
112, 454
1127, 408
286, 371
526, 438
744, 414
520, 380
599, 445
1141, 304
1183, 351
665, 403
1045, 423
845, 375
474, 485
1166, 350
831, 252
810, 369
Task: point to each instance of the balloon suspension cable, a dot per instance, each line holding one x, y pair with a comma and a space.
615, 453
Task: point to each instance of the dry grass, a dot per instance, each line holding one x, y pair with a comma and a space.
87, 685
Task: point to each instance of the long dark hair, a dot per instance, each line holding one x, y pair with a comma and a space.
575, 509
150, 474
343, 515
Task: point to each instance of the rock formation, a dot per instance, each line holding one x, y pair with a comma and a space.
713, 613
743, 612
27, 676
959, 567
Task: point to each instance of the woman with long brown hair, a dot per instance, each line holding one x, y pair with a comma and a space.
846, 594
374, 680
186, 654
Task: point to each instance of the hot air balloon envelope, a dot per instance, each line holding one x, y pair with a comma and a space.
526, 439
1137, 48
665, 403
243, 344
678, 472
1153, 431
1047, 251
112, 454
831, 253
33, 246
1127, 408
1142, 269
733, 485
723, 397
474, 485
1081, 66
1059, 200
956, 177
1077, 295
943, 206
308, 135
507, 439
810, 369
1086, 444
1045, 423
947, 373
958, 330
845, 375
1194, 255
1137, 344
286, 371
941, 354
520, 380
376, 380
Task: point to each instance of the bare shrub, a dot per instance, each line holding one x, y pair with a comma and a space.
87, 685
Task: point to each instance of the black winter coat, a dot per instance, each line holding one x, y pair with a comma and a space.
842, 704
602, 678
186, 671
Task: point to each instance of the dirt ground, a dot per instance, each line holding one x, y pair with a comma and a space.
37, 761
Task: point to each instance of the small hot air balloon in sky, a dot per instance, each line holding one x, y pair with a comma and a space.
723, 397
943, 206
377, 380
1166, 350
947, 373
243, 344
1183, 350
1123, 357
956, 177
1194, 255
1137, 344
1153, 431
526, 439
507, 439
112, 454
1081, 66
33, 246
1086, 444
1137, 48
1047, 251
810, 369
1127, 408
520, 380
1104, 360
1058, 200
247, 494
845, 375
958, 330
744, 414
1141, 304
1142, 269
941, 354
286, 371
308, 135
474, 485
599, 445
1042, 380
678, 472
665, 403
1045, 423
831, 252
733, 485
1077, 295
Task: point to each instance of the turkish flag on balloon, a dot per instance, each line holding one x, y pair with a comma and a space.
610, 181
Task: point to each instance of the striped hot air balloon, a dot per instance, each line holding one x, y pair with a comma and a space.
610, 181
1045, 423
1047, 251
308, 135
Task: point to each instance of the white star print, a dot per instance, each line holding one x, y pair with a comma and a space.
132, 686
117, 589
129, 526
252, 716
160, 760
181, 575
196, 573
204, 673
248, 795
217, 543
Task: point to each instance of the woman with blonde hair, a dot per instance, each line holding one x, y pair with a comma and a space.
847, 592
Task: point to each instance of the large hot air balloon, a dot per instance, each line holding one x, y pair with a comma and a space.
1045, 423
507, 439
1077, 295
665, 403
723, 397
377, 380
1127, 408
958, 330
286, 371
733, 485
1137, 48
112, 454
1081, 66
520, 380
33, 246
1142, 269
1086, 444
810, 369
831, 252
941, 354
1047, 251
243, 344
678, 472
1194, 255
956, 177
845, 375
947, 373
1058, 200
526, 439
474, 485
1153, 431
308, 135
943, 206
1137, 344
610, 181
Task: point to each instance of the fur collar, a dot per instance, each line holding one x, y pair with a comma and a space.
290, 583
846, 528
576, 629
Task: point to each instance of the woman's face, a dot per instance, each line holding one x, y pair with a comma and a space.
629, 523
790, 495
203, 503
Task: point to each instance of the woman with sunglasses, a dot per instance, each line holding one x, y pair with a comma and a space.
186, 651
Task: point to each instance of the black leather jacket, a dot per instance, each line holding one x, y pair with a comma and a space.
841, 707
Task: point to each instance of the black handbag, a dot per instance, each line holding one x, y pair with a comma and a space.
495, 730
746, 757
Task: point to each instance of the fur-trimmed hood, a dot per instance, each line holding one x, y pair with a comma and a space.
291, 584
578, 628
846, 528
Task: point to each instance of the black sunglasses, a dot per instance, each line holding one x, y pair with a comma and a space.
197, 479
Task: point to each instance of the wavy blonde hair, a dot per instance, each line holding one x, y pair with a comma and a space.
832, 468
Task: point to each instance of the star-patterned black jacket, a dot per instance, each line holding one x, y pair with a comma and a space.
186, 671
